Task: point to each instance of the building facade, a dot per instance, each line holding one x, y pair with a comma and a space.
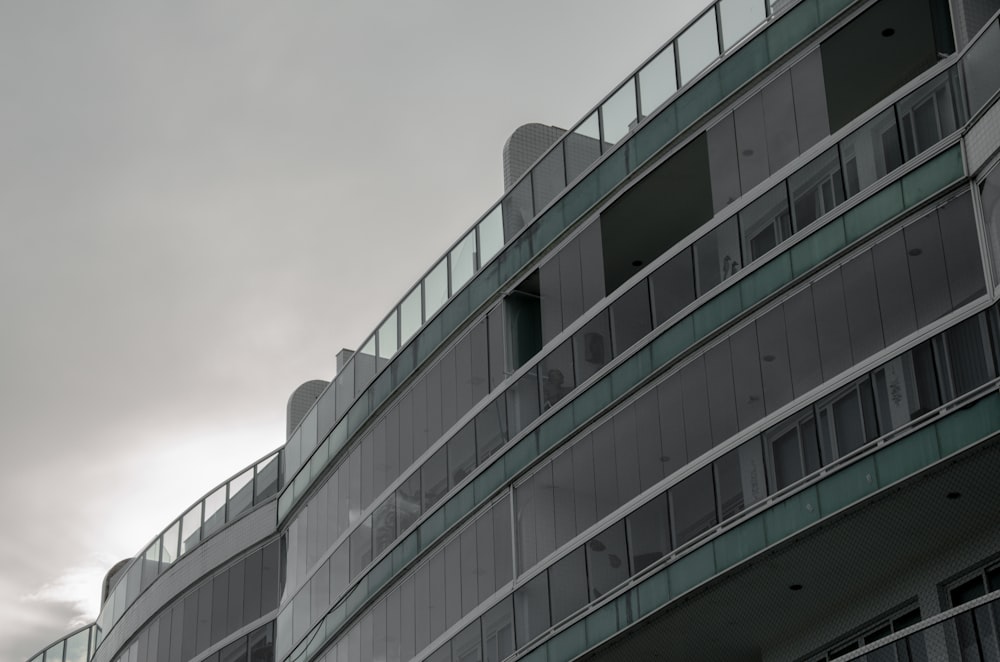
718, 378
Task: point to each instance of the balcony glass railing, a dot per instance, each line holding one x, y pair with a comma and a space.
243, 492
348, 402
75, 647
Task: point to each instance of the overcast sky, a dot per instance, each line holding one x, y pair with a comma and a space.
201, 202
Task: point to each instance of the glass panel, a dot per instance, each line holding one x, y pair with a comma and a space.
170, 541
928, 274
434, 478
739, 18
517, 208
717, 256
150, 561
765, 223
812, 119
55, 653
384, 525
961, 250
906, 388
408, 503
548, 177
871, 152
463, 261
929, 114
435, 288
461, 454
531, 609
76, 647
592, 347
692, 506
630, 317
607, 560
490, 235
491, 429
739, 479
698, 46
751, 140
240, 494
657, 80
583, 147
648, 534
191, 529
361, 547
388, 338
673, 286
467, 644
568, 585
982, 75
365, 364
618, 114
862, 306
409, 315
723, 163
557, 375
498, 632
816, 189
779, 122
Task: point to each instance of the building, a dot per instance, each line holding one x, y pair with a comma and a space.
717, 379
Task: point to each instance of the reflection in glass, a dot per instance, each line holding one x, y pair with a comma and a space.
657, 80
698, 46
517, 208
435, 288
871, 152
548, 177
267, 478
739, 18
170, 541
215, 512
583, 146
463, 261
929, 114
388, 339
717, 256
409, 315
816, 189
531, 609
847, 420
490, 235
648, 534
618, 113
692, 506
765, 223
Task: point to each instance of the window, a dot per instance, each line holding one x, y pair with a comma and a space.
903, 650
847, 420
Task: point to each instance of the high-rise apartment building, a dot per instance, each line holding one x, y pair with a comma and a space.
717, 379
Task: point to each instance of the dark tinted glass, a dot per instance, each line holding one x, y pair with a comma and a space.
461, 454
565, 508
739, 479
438, 602
491, 429
803, 343
747, 386
722, 162
605, 470
816, 189
626, 443
861, 296
502, 558
692, 506
630, 317
361, 547
765, 222
721, 398
557, 375
570, 282
774, 365
928, 274
568, 585
648, 534
592, 347
871, 152
697, 425
645, 461
929, 114
522, 402
809, 96
672, 286
466, 646
906, 387
434, 478
498, 631
982, 76
895, 295
779, 122
717, 256
584, 485
607, 560
961, 250
469, 565
831, 324
408, 503
751, 141
384, 525
531, 609
485, 563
